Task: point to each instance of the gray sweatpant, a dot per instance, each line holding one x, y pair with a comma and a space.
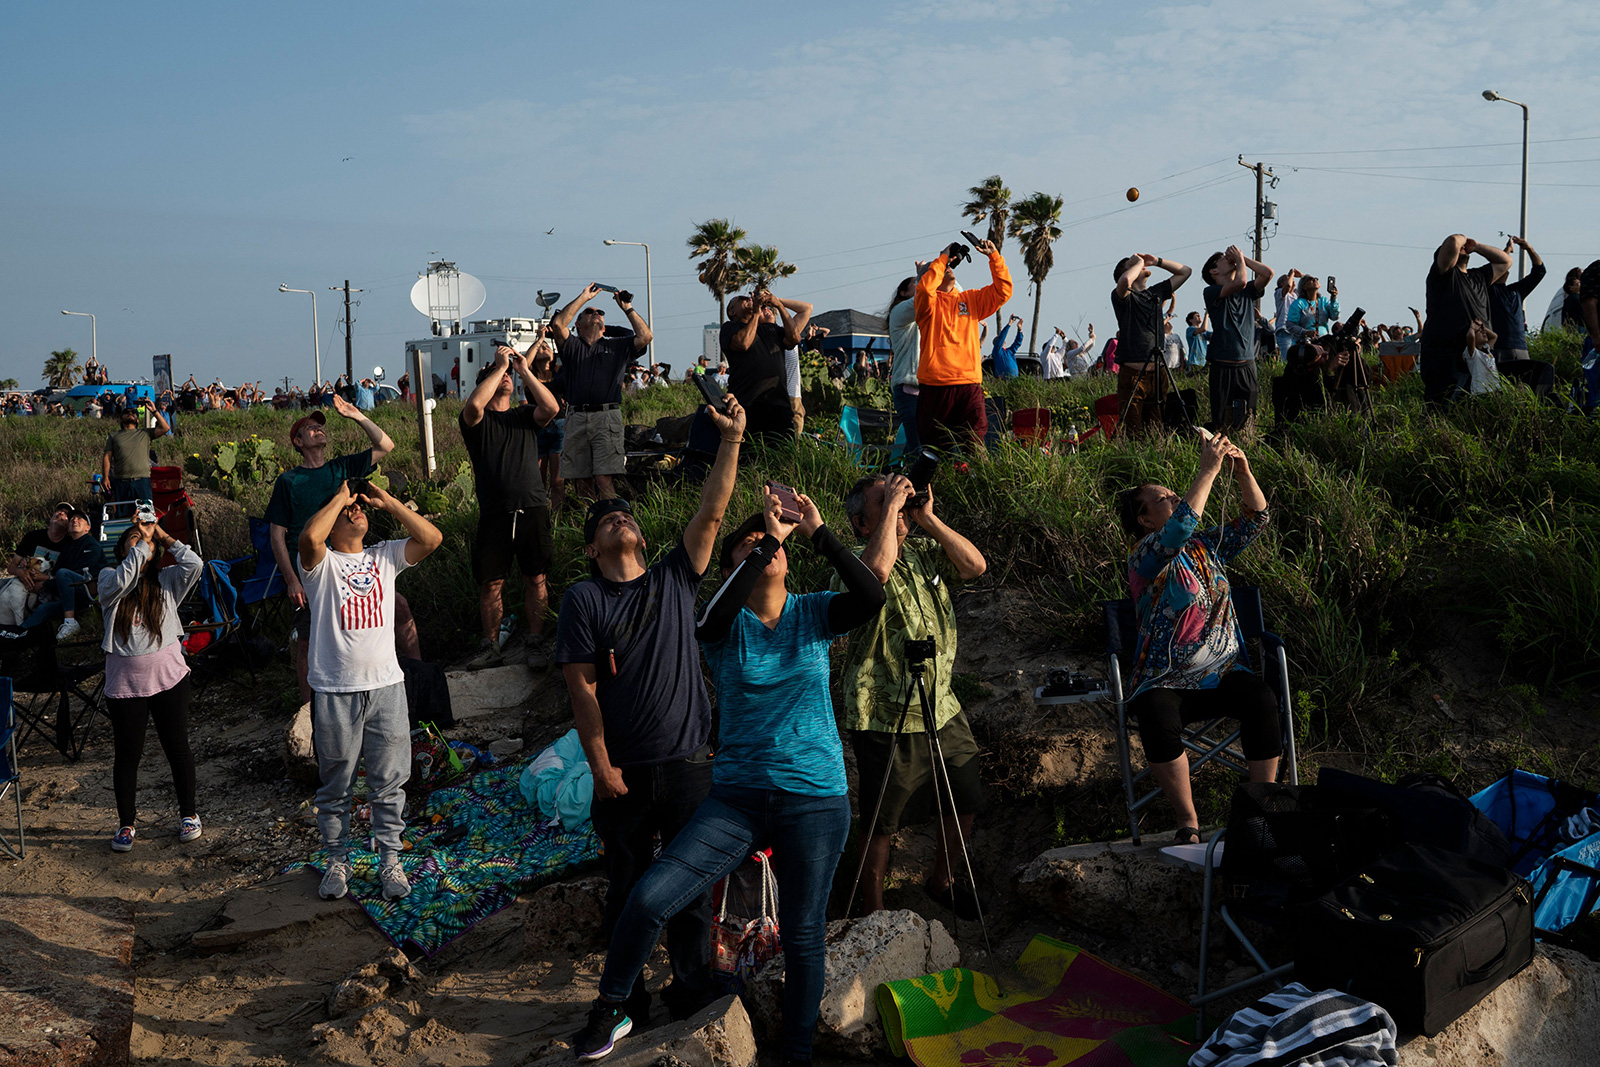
345, 727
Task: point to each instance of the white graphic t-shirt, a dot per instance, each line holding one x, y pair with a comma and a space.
350, 596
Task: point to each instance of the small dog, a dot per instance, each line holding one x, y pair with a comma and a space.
17, 601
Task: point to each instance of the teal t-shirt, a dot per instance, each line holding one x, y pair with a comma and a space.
776, 718
300, 492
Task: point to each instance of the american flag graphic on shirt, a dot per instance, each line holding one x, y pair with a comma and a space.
361, 595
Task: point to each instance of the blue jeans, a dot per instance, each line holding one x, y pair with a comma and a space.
67, 588
806, 835
130, 489
905, 409
1285, 341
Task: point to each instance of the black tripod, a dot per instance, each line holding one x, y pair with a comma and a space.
917, 655
1154, 368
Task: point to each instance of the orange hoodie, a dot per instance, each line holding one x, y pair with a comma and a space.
950, 323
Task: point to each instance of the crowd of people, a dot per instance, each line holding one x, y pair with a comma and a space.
679, 802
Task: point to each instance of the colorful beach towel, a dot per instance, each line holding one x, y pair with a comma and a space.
1065, 1007
469, 853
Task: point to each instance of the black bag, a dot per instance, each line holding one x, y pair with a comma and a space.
1424, 932
427, 693
1428, 810
1291, 843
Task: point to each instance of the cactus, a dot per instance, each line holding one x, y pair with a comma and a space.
227, 455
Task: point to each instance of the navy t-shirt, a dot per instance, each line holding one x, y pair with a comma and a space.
655, 707
1233, 319
592, 374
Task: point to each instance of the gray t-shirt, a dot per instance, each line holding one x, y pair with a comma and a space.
1233, 323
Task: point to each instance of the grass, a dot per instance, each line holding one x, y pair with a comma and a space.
1382, 524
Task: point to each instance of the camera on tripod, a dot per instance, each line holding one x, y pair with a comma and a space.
920, 651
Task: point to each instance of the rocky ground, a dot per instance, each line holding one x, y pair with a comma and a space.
217, 958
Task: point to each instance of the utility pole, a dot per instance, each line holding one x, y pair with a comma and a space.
349, 325
1264, 177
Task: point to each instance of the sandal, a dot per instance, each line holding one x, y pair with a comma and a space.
1187, 835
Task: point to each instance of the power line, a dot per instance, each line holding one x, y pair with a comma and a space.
1428, 148
1453, 181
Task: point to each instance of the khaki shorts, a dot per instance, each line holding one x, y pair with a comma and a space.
593, 444
909, 798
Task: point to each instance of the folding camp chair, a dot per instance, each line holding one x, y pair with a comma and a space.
207, 639
1205, 739
28, 656
1107, 412
10, 771
1031, 426
994, 408
857, 422
262, 594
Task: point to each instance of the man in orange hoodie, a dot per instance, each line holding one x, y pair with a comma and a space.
950, 409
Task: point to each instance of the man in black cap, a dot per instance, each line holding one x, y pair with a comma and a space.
625, 641
75, 559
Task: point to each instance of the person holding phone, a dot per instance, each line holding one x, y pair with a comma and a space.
358, 704
779, 781
1190, 661
950, 327
592, 365
759, 328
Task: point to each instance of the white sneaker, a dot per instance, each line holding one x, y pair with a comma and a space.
189, 828
67, 628
335, 883
395, 883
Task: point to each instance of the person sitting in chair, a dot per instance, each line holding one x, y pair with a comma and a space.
1190, 660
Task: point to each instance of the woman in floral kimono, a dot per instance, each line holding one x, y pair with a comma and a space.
1191, 663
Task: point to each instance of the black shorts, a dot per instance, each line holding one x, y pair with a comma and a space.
524, 535
909, 798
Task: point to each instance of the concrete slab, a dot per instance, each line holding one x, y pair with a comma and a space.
475, 693
288, 900
66, 982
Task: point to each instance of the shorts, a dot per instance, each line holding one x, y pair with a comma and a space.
909, 797
524, 535
1232, 382
550, 438
593, 444
951, 416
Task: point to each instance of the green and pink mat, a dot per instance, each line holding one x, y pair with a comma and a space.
1062, 1006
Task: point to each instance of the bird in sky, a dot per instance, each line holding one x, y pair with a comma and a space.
550, 231
347, 159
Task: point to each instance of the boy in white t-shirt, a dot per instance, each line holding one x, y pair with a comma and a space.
358, 693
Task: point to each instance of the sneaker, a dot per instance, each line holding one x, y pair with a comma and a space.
538, 654
607, 1022
123, 842
395, 883
487, 656
189, 828
68, 628
336, 882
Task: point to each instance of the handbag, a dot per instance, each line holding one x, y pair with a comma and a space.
738, 949
1485, 373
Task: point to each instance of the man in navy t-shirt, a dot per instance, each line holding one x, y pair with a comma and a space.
1231, 295
625, 641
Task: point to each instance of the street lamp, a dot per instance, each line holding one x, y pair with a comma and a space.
649, 298
1491, 95
94, 334
316, 336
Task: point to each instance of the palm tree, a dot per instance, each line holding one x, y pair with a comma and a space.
7, 384
61, 369
717, 240
1033, 224
756, 266
992, 201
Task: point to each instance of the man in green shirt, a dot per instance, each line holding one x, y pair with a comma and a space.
877, 683
300, 493
125, 465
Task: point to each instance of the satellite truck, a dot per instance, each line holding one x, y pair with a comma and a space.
447, 296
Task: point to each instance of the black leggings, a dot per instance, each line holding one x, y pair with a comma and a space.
1162, 714
129, 716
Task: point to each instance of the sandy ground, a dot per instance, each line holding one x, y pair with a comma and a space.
490, 998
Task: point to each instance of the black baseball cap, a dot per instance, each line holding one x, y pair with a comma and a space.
599, 510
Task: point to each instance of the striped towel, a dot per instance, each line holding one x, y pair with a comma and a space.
1296, 1026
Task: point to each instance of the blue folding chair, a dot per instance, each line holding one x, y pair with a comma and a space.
263, 592
851, 422
220, 620
10, 772
1204, 739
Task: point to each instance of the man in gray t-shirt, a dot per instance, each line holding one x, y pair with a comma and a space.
1231, 295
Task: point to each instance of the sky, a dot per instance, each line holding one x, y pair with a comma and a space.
167, 166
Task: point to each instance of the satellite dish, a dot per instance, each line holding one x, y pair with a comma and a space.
444, 292
546, 300
377, 374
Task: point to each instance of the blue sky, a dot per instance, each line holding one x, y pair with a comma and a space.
167, 165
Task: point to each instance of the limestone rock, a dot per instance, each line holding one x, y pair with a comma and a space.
861, 954
564, 916
66, 983
299, 759
1544, 1016
286, 902
371, 982
474, 693
1115, 889
719, 1035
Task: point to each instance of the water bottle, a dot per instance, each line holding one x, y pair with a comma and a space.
508, 626
1072, 435
97, 486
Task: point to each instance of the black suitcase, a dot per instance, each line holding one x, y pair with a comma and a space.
1422, 931
1428, 810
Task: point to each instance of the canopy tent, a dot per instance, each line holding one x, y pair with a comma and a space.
851, 331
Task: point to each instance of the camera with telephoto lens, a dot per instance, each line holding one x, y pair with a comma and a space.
921, 474
956, 255
920, 651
